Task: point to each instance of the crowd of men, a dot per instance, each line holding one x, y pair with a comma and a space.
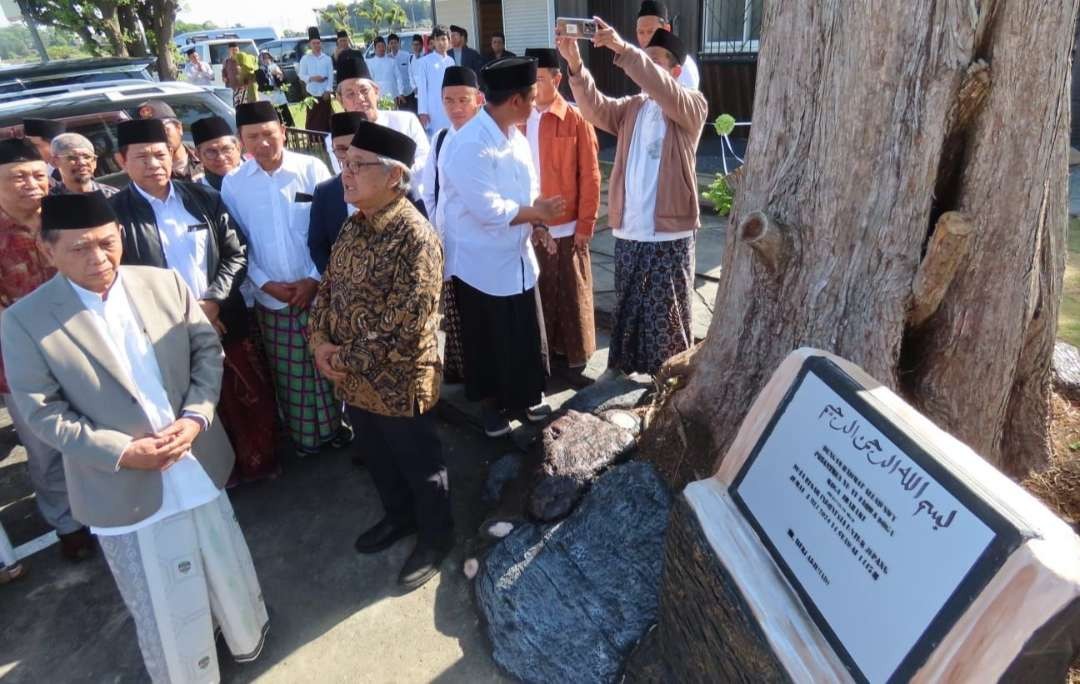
156, 338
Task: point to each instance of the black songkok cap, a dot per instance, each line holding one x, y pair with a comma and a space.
670, 42
43, 128
259, 112
342, 34
649, 8
189, 51
454, 28
509, 73
459, 76
313, 33
546, 58
351, 64
140, 131
76, 211
345, 123
385, 142
210, 128
15, 150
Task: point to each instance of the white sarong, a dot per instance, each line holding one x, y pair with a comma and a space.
182, 576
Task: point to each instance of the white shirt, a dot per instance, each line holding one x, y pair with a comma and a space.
183, 239
414, 71
436, 213
384, 71
404, 60
275, 224
532, 133
642, 179
486, 178
322, 65
429, 90
690, 76
199, 73
185, 485
407, 124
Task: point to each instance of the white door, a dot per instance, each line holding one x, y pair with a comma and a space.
528, 24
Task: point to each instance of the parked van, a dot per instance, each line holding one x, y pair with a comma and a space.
215, 52
259, 34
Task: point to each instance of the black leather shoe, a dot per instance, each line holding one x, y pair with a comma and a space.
383, 535
421, 566
77, 545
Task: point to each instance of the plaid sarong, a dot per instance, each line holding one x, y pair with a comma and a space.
305, 398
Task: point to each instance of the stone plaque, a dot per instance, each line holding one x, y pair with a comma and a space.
885, 545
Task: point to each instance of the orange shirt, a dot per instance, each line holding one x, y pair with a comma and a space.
569, 164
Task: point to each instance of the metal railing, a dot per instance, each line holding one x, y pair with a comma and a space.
731, 26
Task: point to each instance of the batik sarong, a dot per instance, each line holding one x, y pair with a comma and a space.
453, 362
566, 292
181, 576
248, 412
654, 286
305, 399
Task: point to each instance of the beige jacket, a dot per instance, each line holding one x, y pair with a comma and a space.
684, 111
77, 399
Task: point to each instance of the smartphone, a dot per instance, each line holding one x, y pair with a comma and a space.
582, 29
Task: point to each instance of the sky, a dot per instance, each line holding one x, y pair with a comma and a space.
281, 14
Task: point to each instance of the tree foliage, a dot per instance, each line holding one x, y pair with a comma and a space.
16, 45
369, 18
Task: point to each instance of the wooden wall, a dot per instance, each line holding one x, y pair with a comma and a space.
728, 85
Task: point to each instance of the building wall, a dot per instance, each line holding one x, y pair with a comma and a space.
459, 12
528, 23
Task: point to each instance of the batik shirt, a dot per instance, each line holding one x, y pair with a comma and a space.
23, 268
379, 301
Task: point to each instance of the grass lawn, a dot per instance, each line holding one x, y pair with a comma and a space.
1069, 317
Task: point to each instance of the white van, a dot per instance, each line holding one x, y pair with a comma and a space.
259, 34
215, 52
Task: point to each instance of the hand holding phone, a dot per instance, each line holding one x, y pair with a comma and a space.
577, 28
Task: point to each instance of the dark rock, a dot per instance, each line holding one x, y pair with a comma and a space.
500, 473
567, 603
1066, 370
619, 393
575, 448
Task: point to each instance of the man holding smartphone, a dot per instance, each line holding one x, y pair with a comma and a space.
653, 222
652, 16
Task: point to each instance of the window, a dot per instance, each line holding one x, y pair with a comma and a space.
731, 26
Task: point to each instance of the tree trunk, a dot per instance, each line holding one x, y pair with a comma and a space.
132, 30
158, 17
110, 26
875, 123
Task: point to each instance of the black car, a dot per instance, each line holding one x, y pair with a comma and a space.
62, 75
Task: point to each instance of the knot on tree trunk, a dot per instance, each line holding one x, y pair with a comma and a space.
949, 246
770, 240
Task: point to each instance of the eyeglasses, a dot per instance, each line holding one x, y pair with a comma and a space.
223, 151
79, 158
355, 166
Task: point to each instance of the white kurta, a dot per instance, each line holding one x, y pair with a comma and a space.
690, 76
274, 217
404, 60
430, 73
642, 179
312, 65
384, 71
486, 177
185, 485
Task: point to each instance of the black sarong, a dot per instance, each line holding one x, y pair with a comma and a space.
500, 337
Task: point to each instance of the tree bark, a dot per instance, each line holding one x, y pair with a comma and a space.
872, 120
132, 30
110, 26
158, 17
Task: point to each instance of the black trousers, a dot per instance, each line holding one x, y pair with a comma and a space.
404, 457
318, 117
502, 349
